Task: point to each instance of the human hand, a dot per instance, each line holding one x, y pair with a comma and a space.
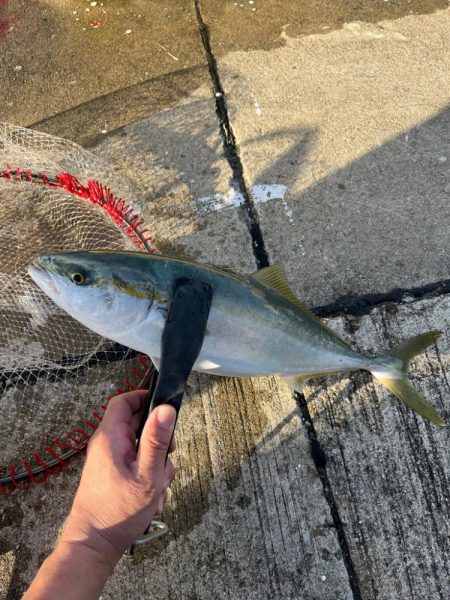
120, 490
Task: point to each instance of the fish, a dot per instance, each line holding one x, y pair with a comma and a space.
256, 326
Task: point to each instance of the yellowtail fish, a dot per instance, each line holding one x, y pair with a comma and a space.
256, 325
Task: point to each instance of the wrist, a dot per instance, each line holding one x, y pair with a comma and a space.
88, 543
73, 571
83, 554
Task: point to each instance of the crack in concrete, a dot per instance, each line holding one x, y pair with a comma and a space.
363, 305
319, 457
231, 151
358, 306
231, 148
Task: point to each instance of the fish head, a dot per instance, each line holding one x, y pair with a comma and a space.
104, 295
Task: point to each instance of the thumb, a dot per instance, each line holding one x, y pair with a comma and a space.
155, 440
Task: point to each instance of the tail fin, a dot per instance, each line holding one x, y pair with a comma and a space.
396, 381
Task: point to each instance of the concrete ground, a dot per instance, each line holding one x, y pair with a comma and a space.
312, 134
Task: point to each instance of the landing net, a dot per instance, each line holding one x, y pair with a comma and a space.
55, 375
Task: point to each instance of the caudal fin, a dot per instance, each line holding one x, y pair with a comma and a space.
396, 379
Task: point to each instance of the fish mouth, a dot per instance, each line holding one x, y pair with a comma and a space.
42, 278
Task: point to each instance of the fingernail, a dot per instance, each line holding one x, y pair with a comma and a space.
165, 416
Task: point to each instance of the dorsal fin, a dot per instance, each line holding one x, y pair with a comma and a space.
274, 277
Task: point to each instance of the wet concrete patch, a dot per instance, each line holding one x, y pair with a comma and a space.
265, 24
30, 524
74, 62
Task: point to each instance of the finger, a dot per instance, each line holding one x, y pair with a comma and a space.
121, 408
136, 420
165, 496
169, 472
155, 441
117, 445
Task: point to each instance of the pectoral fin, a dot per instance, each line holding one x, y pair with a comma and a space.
297, 382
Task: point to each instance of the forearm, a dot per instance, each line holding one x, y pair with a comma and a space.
72, 572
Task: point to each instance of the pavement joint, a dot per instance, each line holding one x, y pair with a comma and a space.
319, 458
262, 260
231, 149
362, 305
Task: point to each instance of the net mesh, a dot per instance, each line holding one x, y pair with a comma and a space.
54, 373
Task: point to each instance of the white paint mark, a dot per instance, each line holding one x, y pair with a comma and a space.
165, 50
93, 3
323, 577
264, 193
234, 198
128, 31
257, 108
443, 159
219, 201
18, 68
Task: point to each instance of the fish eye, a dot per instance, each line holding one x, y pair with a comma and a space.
78, 277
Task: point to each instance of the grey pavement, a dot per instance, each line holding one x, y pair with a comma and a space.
355, 126
336, 164
76, 70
